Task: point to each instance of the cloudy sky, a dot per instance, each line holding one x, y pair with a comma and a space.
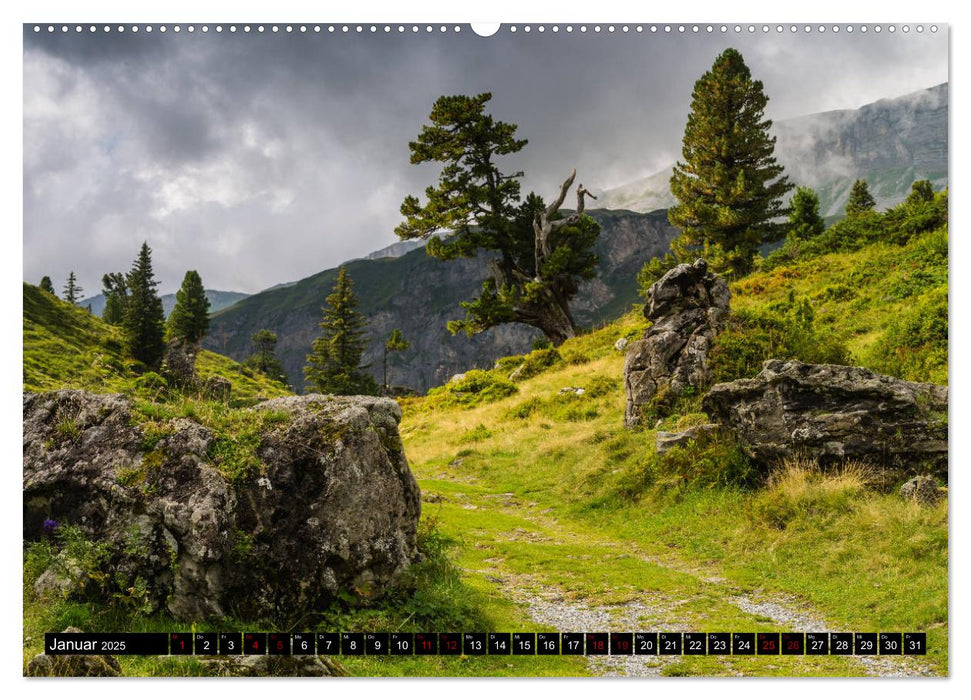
262, 158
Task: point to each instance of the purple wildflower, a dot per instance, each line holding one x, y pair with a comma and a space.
50, 526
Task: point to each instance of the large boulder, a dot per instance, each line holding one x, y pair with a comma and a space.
833, 413
319, 500
688, 306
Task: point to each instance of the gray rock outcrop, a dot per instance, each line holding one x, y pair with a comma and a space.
922, 489
667, 441
322, 501
832, 413
688, 306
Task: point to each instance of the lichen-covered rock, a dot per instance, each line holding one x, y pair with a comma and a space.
217, 389
923, 489
275, 666
688, 306
666, 441
179, 362
833, 413
330, 505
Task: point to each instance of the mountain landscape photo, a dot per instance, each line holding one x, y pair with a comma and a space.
633, 334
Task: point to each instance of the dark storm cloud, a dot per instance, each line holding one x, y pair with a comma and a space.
259, 158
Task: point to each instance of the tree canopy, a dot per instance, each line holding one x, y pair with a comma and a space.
860, 200
804, 219
189, 320
540, 256
47, 285
114, 288
729, 186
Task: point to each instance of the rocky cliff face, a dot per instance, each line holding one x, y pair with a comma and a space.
419, 294
331, 506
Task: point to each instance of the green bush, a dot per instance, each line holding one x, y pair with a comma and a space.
473, 388
784, 331
915, 345
522, 367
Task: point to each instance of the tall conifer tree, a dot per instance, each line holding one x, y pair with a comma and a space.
72, 290
729, 186
334, 364
114, 288
144, 323
189, 320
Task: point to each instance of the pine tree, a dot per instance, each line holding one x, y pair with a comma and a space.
395, 343
265, 359
729, 187
144, 323
541, 257
804, 219
860, 200
189, 320
72, 290
114, 288
334, 364
47, 285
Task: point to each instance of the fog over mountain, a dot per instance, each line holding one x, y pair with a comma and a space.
890, 143
259, 158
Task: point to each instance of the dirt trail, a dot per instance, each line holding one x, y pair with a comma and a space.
559, 609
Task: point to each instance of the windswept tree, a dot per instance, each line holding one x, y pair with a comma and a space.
264, 360
72, 290
804, 219
334, 364
541, 255
144, 323
860, 200
395, 343
47, 285
189, 320
114, 288
729, 186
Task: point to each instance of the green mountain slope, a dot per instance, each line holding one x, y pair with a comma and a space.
66, 347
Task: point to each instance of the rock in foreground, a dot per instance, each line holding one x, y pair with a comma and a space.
328, 505
688, 307
832, 413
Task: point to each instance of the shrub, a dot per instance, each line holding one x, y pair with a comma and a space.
473, 388
785, 330
915, 345
798, 492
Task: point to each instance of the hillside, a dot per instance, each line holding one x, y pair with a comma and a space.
419, 294
217, 300
889, 143
66, 347
562, 517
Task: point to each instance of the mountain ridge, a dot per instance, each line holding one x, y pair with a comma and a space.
890, 143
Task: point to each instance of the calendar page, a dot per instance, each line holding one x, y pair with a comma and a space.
522, 350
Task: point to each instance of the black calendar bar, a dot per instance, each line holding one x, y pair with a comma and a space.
113, 643
490, 643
